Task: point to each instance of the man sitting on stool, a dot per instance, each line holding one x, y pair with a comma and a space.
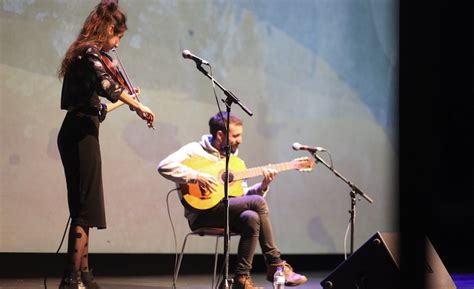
248, 214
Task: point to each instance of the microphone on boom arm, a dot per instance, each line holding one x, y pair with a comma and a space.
297, 146
188, 55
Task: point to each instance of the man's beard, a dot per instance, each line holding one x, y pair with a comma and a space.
233, 149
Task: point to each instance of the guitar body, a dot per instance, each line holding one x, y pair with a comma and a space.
194, 198
197, 199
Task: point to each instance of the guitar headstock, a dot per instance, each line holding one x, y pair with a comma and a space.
304, 164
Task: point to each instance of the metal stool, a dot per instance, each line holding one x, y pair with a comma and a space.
202, 232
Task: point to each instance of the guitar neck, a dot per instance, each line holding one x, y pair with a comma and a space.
258, 171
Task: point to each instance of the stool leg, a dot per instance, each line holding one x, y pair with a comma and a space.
180, 258
216, 258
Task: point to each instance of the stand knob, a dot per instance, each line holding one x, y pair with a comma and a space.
327, 285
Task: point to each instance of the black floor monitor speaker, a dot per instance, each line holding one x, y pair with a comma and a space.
376, 265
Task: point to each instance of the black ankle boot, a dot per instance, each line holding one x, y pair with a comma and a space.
72, 280
88, 280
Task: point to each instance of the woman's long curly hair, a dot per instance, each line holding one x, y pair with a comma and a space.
95, 30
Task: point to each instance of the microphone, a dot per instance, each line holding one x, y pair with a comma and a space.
189, 55
297, 146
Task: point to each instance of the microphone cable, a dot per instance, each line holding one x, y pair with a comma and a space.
57, 252
330, 158
345, 240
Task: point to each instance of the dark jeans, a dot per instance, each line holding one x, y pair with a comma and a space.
248, 216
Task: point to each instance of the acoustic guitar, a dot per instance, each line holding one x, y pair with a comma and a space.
195, 198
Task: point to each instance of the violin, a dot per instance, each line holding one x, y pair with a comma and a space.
119, 74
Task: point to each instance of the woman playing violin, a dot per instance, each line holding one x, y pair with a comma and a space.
85, 79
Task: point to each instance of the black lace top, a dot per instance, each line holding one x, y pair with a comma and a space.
86, 79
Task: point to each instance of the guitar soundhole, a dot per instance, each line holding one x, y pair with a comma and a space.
231, 177
203, 193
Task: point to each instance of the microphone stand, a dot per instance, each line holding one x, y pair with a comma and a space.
354, 191
231, 98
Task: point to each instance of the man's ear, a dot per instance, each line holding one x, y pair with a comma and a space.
220, 135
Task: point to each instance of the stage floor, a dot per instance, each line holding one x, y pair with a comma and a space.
203, 281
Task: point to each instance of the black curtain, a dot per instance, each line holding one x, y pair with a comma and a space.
436, 109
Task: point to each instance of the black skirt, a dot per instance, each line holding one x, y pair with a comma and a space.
78, 143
